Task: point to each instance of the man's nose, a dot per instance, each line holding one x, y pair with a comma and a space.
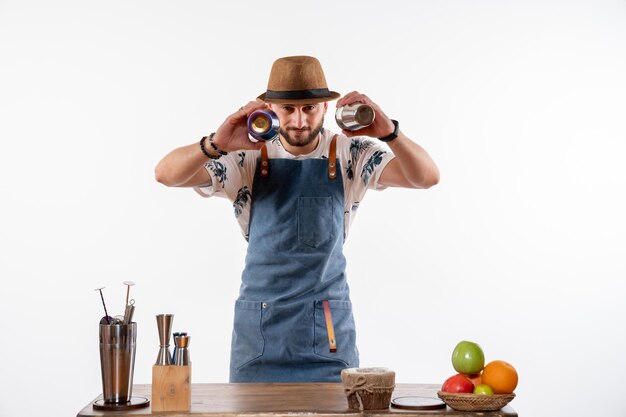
299, 118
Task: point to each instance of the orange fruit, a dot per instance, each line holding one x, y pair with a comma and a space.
500, 376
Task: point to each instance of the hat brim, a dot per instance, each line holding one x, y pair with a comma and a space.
333, 95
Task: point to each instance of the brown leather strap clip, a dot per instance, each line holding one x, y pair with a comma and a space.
265, 162
332, 159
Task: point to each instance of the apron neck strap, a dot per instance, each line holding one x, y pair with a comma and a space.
332, 160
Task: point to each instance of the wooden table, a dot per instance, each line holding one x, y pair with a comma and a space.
285, 400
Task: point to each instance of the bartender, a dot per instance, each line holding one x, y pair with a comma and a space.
295, 197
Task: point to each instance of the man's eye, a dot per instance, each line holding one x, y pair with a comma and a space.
287, 108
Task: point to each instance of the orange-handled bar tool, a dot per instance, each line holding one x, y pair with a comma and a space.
332, 343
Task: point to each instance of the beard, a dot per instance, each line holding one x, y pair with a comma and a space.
302, 140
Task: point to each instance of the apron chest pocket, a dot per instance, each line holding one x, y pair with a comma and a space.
248, 343
315, 220
345, 334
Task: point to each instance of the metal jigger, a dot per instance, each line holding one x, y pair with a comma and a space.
164, 324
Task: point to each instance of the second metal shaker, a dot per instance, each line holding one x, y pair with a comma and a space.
182, 350
354, 116
176, 334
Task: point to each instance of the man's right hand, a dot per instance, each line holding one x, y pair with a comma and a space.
232, 135
184, 166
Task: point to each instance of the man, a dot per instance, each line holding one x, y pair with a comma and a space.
294, 198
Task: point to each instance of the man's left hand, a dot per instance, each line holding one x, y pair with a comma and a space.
382, 125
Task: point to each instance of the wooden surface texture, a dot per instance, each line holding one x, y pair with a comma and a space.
171, 388
284, 400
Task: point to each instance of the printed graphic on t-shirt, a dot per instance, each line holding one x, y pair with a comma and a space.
362, 159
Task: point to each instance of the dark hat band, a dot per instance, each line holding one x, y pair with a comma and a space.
297, 94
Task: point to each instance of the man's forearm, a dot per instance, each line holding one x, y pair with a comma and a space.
181, 165
414, 163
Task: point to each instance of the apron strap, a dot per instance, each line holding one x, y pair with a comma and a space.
332, 159
265, 162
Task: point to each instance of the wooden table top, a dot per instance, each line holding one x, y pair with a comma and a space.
285, 400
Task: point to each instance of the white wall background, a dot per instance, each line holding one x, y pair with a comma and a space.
519, 248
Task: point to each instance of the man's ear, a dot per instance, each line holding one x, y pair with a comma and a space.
325, 107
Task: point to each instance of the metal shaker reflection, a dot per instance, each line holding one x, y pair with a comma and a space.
355, 116
263, 125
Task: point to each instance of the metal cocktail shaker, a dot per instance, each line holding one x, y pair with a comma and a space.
176, 334
355, 116
182, 350
117, 360
263, 125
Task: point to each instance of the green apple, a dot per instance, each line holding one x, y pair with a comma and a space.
483, 389
468, 358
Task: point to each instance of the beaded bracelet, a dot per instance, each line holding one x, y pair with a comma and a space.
204, 151
214, 146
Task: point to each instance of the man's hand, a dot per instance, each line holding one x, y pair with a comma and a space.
232, 135
382, 125
412, 167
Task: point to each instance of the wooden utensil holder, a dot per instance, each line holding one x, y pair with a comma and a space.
171, 388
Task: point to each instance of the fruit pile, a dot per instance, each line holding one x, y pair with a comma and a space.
468, 359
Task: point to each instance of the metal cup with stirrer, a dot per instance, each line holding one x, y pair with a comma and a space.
164, 325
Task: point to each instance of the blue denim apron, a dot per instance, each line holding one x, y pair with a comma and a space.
295, 270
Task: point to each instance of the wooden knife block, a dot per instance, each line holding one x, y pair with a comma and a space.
171, 388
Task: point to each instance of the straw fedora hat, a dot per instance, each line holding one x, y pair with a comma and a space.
297, 79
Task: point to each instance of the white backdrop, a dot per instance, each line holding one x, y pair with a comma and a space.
519, 248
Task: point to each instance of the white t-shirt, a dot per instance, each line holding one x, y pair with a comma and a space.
362, 161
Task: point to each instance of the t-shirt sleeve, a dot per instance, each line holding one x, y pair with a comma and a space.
229, 174
363, 160
368, 158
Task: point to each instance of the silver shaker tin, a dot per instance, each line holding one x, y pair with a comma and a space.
355, 116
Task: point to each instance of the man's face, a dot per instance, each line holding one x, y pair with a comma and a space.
300, 124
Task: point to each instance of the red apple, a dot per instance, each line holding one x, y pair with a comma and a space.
458, 384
